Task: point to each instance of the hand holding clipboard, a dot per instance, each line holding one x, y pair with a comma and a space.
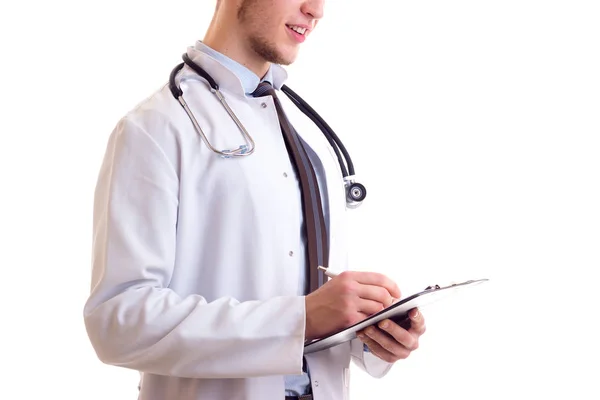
397, 311
345, 300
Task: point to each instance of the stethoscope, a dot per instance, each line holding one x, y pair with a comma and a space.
355, 192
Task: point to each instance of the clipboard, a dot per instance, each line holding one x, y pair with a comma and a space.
397, 312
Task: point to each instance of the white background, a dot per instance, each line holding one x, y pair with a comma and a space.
474, 125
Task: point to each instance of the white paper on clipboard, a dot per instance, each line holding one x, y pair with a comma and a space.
396, 312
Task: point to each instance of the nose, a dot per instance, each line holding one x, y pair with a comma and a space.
313, 8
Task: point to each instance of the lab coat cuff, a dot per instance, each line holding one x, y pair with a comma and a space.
367, 361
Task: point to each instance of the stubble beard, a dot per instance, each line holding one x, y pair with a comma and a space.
264, 48
267, 50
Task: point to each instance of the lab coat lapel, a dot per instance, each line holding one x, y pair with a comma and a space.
331, 180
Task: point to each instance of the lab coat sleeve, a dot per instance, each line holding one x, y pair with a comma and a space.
133, 319
367, 361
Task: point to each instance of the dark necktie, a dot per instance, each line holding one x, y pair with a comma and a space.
316, 233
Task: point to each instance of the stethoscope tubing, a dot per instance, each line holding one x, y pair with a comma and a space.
335, 142
333, 139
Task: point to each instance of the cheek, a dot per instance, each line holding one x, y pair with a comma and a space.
264, 26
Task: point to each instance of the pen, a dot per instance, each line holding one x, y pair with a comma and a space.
329, 273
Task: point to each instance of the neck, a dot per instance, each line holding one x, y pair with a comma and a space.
232, 43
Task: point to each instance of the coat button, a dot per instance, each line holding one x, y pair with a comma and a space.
291, 253
285, 174
263, 105
317, 383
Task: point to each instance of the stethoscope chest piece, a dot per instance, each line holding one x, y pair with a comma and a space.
355, 192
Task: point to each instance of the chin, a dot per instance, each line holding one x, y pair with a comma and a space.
287, 60
288, 57
271, 52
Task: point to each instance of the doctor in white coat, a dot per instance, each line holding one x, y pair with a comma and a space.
199, 262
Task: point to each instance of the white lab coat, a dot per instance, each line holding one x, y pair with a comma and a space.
189, 282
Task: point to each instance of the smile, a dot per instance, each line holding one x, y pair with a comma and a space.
298, 33
297, 29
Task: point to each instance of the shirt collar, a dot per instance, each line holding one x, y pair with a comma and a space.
231, 75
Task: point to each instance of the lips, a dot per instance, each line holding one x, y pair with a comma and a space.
298, 29
298, 32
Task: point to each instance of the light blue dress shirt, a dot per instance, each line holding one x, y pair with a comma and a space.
295, 385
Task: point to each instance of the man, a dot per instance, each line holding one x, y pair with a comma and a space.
200, 264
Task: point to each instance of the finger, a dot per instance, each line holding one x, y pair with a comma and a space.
375, 293
383, 345
384, 340
403, 322
380, 352
369, 307
373, 346
417, 322
374, 279
404, 337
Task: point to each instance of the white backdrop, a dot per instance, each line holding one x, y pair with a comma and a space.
474, 125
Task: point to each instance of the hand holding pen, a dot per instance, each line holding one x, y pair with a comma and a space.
348, 298
333, 274
363, 294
